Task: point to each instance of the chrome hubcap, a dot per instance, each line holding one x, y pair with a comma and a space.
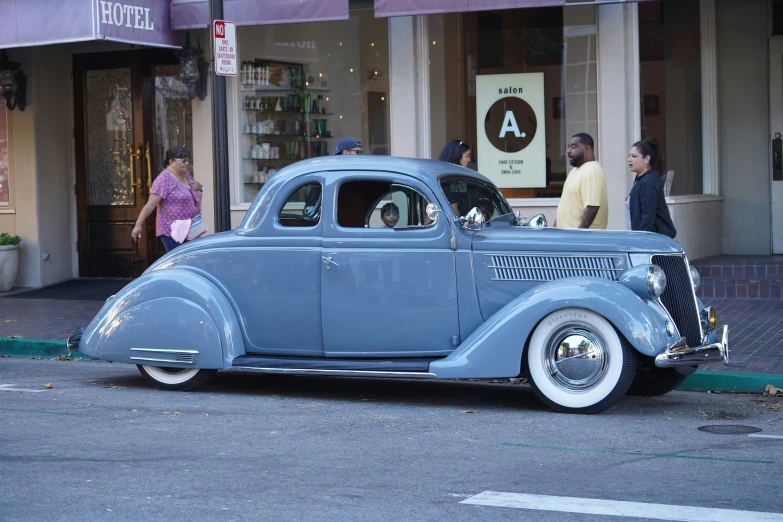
576, 357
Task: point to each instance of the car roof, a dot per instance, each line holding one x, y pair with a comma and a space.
426, 170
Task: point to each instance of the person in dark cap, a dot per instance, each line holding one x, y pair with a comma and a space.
348, 146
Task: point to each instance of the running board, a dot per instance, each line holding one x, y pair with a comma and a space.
400, 368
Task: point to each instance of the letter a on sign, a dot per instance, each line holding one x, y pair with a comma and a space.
509, 125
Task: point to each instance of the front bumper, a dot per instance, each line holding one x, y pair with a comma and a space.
715, 349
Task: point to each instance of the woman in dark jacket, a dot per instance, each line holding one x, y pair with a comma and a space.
646, 203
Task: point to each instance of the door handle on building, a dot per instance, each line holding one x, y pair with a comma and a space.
133, 156
149, 165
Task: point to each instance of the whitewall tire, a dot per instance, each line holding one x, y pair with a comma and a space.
181, 379
578, 363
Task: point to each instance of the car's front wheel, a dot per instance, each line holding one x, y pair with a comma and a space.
578, 363
181, 379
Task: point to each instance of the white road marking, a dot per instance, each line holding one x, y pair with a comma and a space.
10, 387
616, 508
760, 436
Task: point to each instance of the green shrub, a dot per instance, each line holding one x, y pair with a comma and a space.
8, 239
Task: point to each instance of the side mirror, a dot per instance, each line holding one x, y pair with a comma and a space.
432, 211
473, 220
537, 221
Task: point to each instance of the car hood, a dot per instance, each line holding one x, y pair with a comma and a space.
521, 239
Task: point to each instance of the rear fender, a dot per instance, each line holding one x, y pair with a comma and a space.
495, 349
172, 317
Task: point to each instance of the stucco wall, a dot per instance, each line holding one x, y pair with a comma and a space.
698, 223
24, 179
743, 87
41, 169
52, 117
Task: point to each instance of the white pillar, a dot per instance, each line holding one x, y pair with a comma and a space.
409, 86
619, 124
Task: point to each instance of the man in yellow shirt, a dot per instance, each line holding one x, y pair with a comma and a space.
584, 203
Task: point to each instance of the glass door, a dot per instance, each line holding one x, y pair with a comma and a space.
109, 167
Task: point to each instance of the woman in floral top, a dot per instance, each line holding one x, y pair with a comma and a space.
176, 191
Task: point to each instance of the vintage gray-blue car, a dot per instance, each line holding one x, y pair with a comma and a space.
391, 267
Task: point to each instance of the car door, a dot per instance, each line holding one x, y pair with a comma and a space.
275, 278
386, 291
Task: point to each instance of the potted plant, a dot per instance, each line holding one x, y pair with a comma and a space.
9, 260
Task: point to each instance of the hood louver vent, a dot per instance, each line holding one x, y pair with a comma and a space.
536, 267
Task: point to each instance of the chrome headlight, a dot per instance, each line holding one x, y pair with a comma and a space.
656, 281
695, 277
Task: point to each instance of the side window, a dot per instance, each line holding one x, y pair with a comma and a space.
403, 207
380, 204
302, 208
412, 207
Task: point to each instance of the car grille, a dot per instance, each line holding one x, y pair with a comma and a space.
679, 299
536, 267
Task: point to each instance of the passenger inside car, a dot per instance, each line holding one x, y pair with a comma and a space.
390, 214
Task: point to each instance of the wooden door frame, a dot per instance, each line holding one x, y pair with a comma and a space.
151, 58
141, 64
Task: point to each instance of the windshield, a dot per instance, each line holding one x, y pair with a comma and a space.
465, 194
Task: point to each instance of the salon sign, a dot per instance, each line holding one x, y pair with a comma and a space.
511, 143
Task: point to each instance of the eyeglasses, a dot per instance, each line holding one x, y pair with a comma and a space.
183, 160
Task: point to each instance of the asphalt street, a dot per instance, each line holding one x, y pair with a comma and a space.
100, 444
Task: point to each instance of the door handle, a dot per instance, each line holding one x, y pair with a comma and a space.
777, 152
132, 156
149, 165
328, 260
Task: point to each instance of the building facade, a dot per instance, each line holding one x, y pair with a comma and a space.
702, 76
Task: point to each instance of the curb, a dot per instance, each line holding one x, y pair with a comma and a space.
730, 382
727, 382
34, 348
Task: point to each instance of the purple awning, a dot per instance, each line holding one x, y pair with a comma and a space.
194, 14
421, 7
43, 22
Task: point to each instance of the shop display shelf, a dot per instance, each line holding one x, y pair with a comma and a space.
288, 137
300, 113
290, 160
265, 88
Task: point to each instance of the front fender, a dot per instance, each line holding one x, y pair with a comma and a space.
172, 317
495, 349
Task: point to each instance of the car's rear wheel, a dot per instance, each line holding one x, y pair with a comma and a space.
181, 379
578, 363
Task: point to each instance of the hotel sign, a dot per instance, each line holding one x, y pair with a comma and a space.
46, 22
510, 117
127, 15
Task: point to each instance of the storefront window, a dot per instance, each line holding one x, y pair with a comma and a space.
4, 158
559, 42
671, 95
303, 87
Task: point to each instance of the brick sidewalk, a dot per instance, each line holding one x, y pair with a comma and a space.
755, 334
755, 327
45, 318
